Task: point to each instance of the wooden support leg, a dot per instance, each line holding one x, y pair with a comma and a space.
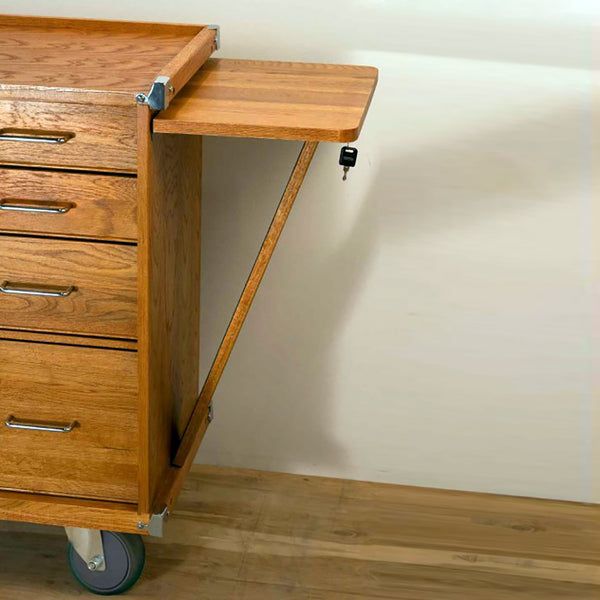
193, 433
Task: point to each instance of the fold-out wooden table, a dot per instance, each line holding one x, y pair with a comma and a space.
101, 127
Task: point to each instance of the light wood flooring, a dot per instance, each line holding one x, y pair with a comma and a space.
248, 535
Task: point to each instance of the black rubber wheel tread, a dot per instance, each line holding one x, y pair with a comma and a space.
132, 548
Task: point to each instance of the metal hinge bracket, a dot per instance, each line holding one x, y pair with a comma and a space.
217, 28
160, 95
155, 527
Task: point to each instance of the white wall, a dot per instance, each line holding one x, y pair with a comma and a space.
433, 321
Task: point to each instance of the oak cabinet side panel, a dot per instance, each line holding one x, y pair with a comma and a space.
169, 295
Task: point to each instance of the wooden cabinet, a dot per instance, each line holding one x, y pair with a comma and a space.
99, 263
101, 127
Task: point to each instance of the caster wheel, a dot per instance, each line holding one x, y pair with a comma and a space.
124, 554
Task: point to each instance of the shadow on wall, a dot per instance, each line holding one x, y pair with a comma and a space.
459, 182
278, 390
495, 330
284, 385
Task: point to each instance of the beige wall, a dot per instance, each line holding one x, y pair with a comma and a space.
433, 321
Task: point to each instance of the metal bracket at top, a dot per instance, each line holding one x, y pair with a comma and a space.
162, 91
160, 95
216, 28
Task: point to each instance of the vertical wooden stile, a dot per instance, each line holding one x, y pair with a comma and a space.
144, 123
169, 296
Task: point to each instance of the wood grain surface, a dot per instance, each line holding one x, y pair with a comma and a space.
104, 302
24, 508
169, 182
100, 206
266, 99
112, 60
248, 535
187, 62
104, 137
95, 388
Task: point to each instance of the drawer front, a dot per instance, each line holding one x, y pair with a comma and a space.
68, 287
53, 387
77, 136
68, 204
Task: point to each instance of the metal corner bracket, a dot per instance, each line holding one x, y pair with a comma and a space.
216, 28
160, 95
155, 527
162, 91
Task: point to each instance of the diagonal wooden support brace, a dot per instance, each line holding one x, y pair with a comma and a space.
192, 436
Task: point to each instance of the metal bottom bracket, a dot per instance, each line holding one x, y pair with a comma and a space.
88, 545
155, 527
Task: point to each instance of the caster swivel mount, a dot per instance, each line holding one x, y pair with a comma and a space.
105, 562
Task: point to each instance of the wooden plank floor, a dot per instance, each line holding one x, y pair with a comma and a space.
249, 535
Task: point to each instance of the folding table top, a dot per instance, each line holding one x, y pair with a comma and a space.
265, 99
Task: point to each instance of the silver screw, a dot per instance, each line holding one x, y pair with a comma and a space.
141, 98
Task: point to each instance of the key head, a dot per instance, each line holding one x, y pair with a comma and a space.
348, 156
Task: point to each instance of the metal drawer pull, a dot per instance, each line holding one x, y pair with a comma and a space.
35, 206
32, 289
35, 136
12, 423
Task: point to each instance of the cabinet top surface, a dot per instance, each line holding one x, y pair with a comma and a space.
85, 55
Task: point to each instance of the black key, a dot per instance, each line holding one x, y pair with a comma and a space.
348, 156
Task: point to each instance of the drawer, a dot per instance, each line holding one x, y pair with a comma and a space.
68, 286
68, 204
77, 136
53, 386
